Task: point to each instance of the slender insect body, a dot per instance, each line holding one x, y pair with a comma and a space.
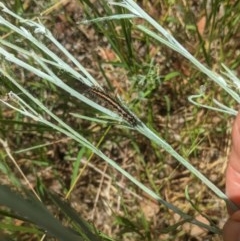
107, 101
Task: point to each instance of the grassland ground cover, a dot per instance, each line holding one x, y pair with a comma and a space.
154, 82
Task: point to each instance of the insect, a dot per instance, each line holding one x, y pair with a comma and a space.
108, 101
